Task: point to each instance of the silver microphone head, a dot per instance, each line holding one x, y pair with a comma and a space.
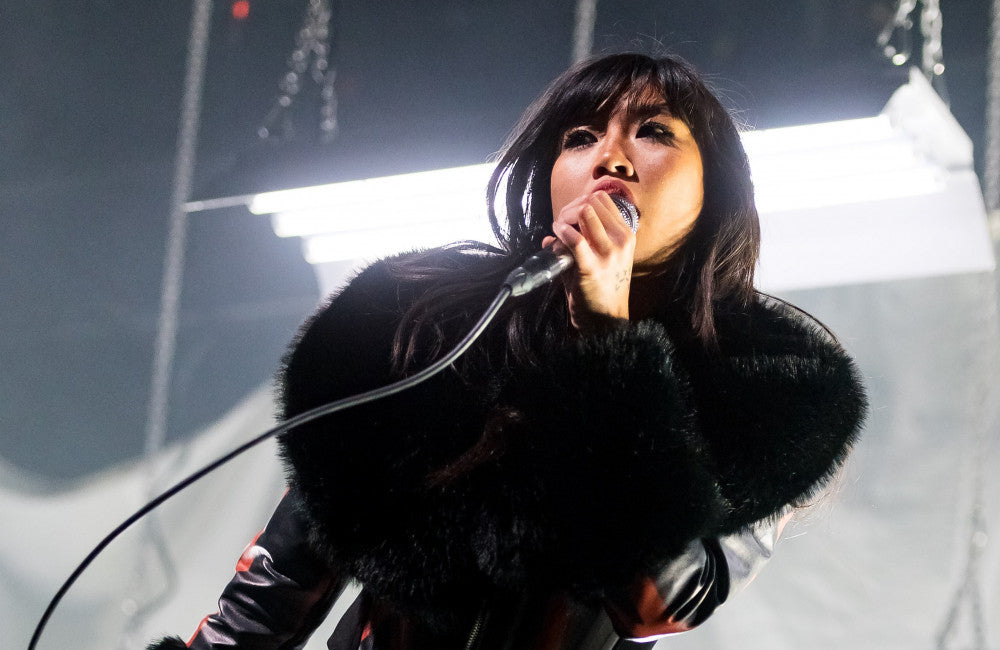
630, 213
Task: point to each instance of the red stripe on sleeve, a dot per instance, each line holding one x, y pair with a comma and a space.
197, 631
246, 559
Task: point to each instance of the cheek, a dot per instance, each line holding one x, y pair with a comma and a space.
681, 195
564, 184
684, 190
696, 194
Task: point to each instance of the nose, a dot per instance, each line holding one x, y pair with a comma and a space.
613, 158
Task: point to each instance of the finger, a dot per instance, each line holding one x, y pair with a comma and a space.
577, 244
593, 229
567, 234
611, 217
552, 242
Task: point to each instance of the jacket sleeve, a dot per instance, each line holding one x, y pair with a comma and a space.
278, 596
688, 588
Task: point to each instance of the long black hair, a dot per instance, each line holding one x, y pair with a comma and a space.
713, 266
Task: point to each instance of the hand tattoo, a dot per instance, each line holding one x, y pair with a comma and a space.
622, 279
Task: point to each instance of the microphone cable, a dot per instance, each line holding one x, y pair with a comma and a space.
286, 425
537, 270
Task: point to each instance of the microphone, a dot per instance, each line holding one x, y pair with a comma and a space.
545, 265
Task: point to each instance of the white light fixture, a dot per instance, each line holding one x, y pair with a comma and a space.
369, 244
812, 182
807, 166
895, 198
799, 167
434, 185
817, 136
842, 189
386, 211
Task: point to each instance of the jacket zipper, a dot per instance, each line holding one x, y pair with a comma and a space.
477, 627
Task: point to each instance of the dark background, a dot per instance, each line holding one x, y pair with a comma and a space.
89, 111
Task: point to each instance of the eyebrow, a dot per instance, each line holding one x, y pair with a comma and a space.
640, 110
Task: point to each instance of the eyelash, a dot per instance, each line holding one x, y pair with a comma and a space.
581, 137
660, 132
576, 138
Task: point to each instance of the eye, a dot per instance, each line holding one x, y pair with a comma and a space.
577, 138
657, 131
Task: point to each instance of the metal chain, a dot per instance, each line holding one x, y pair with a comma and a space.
153, 546
932, 59
896, 40
583, 30
991, 173
930, 26
311, 55
968, 595
969, 590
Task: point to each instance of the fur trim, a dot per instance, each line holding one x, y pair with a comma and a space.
168, 643
619, 470
362, 474
618, 449
779, 409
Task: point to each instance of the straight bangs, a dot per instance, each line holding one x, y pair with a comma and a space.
598, 93
598, 89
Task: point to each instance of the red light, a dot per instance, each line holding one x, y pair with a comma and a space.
241, 9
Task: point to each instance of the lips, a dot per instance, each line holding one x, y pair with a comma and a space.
612, 186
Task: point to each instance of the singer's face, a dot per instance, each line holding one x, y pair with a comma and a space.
642, 151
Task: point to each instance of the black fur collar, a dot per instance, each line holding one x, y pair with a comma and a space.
618, 449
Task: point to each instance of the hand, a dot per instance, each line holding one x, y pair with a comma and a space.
591, 228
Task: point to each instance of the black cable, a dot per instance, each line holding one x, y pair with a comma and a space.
291, 423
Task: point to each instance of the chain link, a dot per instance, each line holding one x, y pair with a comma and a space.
311, 57
583, 29
896, 40
991, 173
930, 26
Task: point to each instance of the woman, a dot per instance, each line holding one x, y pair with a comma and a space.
612, 459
